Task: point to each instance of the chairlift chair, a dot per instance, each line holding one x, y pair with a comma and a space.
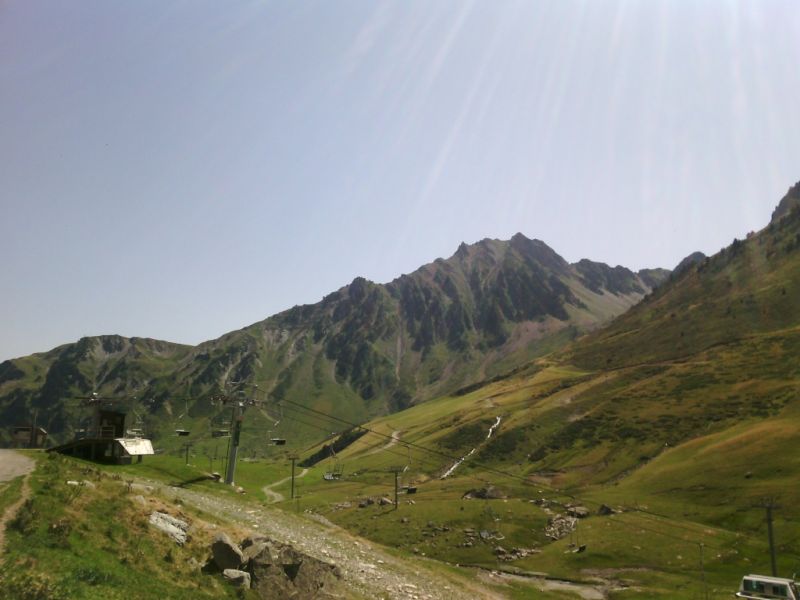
180, 431
277, 441
336, 473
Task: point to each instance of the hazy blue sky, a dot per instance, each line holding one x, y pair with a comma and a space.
181, 169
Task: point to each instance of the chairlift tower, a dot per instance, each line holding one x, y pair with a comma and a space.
238, 401
396, 469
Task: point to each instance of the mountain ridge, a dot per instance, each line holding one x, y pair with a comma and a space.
366, 348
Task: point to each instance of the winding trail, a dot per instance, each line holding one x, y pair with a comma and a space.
387, 445
12, 465
272, 495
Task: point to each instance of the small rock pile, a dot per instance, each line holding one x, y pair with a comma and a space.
559, 526
432, 529
471, 536
382, 501
272, 569
514, 554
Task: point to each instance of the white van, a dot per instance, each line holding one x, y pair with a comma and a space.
759, 587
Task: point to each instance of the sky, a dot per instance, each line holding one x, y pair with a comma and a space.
181, 169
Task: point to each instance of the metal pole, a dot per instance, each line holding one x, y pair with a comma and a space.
293, 458
32, 441
769, 507
703, 571
396, 470
236, 431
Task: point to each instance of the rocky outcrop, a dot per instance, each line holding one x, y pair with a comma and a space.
789, 202
279, 571
695, 258
173, 527
273, 570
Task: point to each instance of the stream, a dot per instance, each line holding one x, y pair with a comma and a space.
457, 464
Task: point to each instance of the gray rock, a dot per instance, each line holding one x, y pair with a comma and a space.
488, 493
227, 555
253, 550
174, 528
237, 577
279, 571
605, 510
250, 540
580, 512
384, 501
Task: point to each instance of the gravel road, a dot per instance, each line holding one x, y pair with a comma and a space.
367, 569
13, 464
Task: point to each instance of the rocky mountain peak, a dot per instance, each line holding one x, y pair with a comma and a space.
789, 202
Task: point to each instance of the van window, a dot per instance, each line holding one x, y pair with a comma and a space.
780, 590
752, 585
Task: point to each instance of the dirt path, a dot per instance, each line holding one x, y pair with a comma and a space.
367, 569
387, 445
273, 496
13, 464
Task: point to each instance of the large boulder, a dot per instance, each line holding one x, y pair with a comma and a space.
280, 572
227, 555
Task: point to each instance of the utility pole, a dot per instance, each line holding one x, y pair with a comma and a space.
396, 470
769, 508
769, 505
33, 440
293, 458
703, 571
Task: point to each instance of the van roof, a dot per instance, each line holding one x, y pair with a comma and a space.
769, 578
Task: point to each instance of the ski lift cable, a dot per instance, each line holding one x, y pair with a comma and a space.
430, 463
630, 526
640, 512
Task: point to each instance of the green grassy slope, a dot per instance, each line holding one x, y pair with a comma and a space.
94, 541
682, 414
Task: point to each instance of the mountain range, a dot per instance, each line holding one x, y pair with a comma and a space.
363, 350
